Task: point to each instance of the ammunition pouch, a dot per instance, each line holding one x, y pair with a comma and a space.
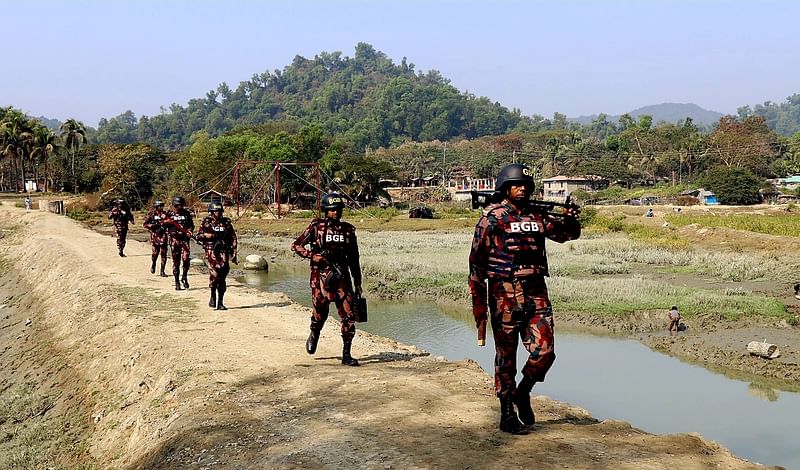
360, 309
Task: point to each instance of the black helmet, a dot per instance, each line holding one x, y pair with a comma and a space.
178, 200
119, 201
158, 202
515, 173
215, 206
332, 202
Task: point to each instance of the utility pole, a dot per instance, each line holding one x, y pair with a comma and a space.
444, 165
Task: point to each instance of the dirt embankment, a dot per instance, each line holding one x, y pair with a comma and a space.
146, 377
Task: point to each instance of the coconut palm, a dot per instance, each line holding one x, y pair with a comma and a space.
45, 144
73, 134
16, 136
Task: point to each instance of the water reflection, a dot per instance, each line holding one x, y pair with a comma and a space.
611, 377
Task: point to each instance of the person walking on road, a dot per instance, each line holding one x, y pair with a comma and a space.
158, 236
508, 251
180, 225
121, 215
333, 251
219, 241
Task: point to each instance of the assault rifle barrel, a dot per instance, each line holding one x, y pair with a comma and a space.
484, 198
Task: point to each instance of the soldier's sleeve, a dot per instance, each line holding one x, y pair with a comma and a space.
562, 229
478, 260
189, 222
148, 222
234, 238
299, 245
353, 260
111, 214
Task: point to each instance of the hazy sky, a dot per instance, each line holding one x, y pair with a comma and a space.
93, 59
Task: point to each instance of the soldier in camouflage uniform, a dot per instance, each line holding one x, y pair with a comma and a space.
158, 236
121, 215
180, 226
219, 241
334, 257
508, 250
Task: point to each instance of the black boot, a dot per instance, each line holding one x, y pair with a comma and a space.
508, 418
163, 274
213, 301
220, 305
121, 254
177, 283
347, 359
153, 266
185, 280
311, 342
522, 398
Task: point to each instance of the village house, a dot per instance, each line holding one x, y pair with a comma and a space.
559, 187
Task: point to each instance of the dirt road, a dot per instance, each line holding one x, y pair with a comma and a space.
142, 376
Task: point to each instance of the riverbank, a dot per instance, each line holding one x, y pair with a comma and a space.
612, 283
164, 382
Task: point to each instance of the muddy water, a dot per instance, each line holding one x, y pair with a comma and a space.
612, 378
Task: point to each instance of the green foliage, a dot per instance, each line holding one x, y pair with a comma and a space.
368, 99
786, 225
129, 172
783, 118
734, 186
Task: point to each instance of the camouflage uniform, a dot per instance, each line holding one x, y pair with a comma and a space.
179, 243
508, 249
330, 279
158, 238
121, 216
219, 249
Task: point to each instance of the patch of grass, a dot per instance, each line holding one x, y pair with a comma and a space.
80, 214
618, 296
148, 304
773, 224
31, 440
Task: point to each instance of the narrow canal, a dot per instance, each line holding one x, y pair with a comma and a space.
611, 377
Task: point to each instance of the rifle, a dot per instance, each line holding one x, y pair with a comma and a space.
484, 198
179, 227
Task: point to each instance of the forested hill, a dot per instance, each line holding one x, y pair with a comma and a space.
367, 100
667, 112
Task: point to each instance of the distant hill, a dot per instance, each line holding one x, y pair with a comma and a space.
52, 124
669, 112
368, 100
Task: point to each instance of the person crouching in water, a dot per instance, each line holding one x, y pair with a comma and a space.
508, 253
333, 251
121, 215
180, 227
158, 236
219, 241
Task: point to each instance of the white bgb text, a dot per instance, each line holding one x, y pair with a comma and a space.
517, 227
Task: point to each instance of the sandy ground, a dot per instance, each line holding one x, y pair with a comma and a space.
165, 382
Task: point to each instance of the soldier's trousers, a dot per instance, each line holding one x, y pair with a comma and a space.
180, 252
340, 294
535, 327
218, 268
158, 245
122, 235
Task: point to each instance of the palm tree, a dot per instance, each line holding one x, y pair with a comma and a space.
16, 136
73, 133
45, 143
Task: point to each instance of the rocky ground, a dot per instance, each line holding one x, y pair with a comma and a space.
127, 373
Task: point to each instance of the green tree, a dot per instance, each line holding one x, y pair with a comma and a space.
45, 144
129, 171
73, 134
733, 185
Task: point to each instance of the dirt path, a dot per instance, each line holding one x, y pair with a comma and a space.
169, 383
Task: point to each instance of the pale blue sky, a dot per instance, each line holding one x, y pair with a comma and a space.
93, 59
